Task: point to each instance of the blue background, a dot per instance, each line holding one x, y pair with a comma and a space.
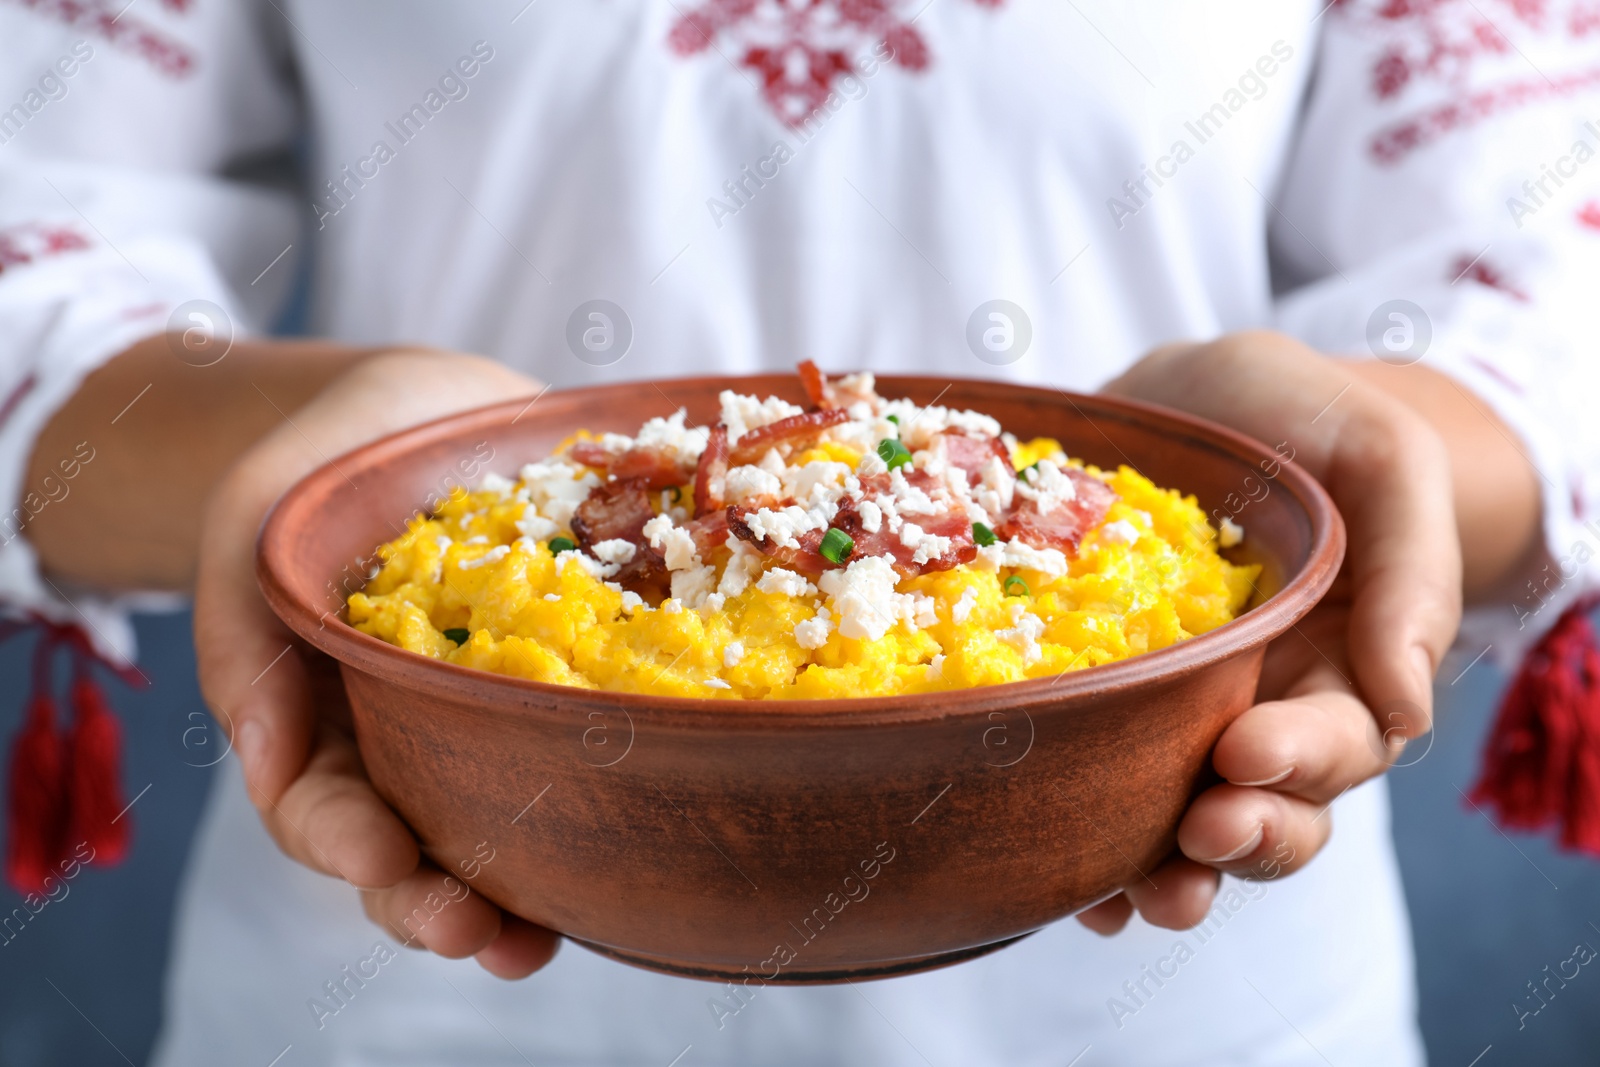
1489, 911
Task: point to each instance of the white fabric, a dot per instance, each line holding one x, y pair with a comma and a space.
566, 153
1323, 953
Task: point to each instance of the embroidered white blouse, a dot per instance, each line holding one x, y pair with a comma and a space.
741, 184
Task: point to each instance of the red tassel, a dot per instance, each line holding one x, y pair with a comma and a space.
95, 777
1542, 764
37, 811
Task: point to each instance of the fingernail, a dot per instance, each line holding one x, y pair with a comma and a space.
1422, 664
250, 741
1243, 850
1274, 780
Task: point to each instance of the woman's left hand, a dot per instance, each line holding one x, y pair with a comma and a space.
1344, 691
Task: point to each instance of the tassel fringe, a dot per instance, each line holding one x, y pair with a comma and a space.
1542, 763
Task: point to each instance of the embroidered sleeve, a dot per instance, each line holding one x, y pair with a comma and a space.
1442, 206
116, 223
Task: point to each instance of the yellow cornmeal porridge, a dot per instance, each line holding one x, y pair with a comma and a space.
477, 583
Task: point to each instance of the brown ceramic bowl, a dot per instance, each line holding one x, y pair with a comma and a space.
802, 841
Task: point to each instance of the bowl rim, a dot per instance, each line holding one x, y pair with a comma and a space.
1150, 670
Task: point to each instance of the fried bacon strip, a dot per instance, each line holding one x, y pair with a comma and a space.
711, 474
817, 386
710, 531
806, 557
952, 524
656, 467
618, 510
794, 431
1062, 526
972, 453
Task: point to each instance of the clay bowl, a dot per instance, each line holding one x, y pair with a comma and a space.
806, 841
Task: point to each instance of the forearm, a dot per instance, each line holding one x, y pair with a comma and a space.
1278, 389
162, 433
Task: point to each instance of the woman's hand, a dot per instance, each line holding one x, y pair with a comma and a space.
283, 703
1345, 690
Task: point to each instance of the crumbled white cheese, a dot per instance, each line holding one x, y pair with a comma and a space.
675, 544
615, 550
999, 486
745, 483
692, 584
556, 488
1024, 634
670, 435
1230, 533
1046, 486
742, 566
741, 414
477, 539
1121, 532
936, 668
495, 483
782, 527
671, 606
494, 555
712, 604
910, 499
785, 583
716, 683
813, 633
1049, 561
924, 546
919, 426
864, 598
924, 611
817, 481
963, 607
555, 598
871, 463
861, 383
631, 601
588, 563
733, 654
443, 541
535, 526
871, 516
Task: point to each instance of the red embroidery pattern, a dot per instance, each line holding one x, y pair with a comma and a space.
1442, 42
31, 241
1437, 40
1394, 142
114, 25
799, 48
1477, 269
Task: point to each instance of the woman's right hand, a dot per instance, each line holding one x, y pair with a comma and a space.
282, 702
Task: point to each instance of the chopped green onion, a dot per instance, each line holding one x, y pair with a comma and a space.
458, 635
677, 494
836, 546
893, 453
983, 535
559, 545
1015, 586
895, 419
